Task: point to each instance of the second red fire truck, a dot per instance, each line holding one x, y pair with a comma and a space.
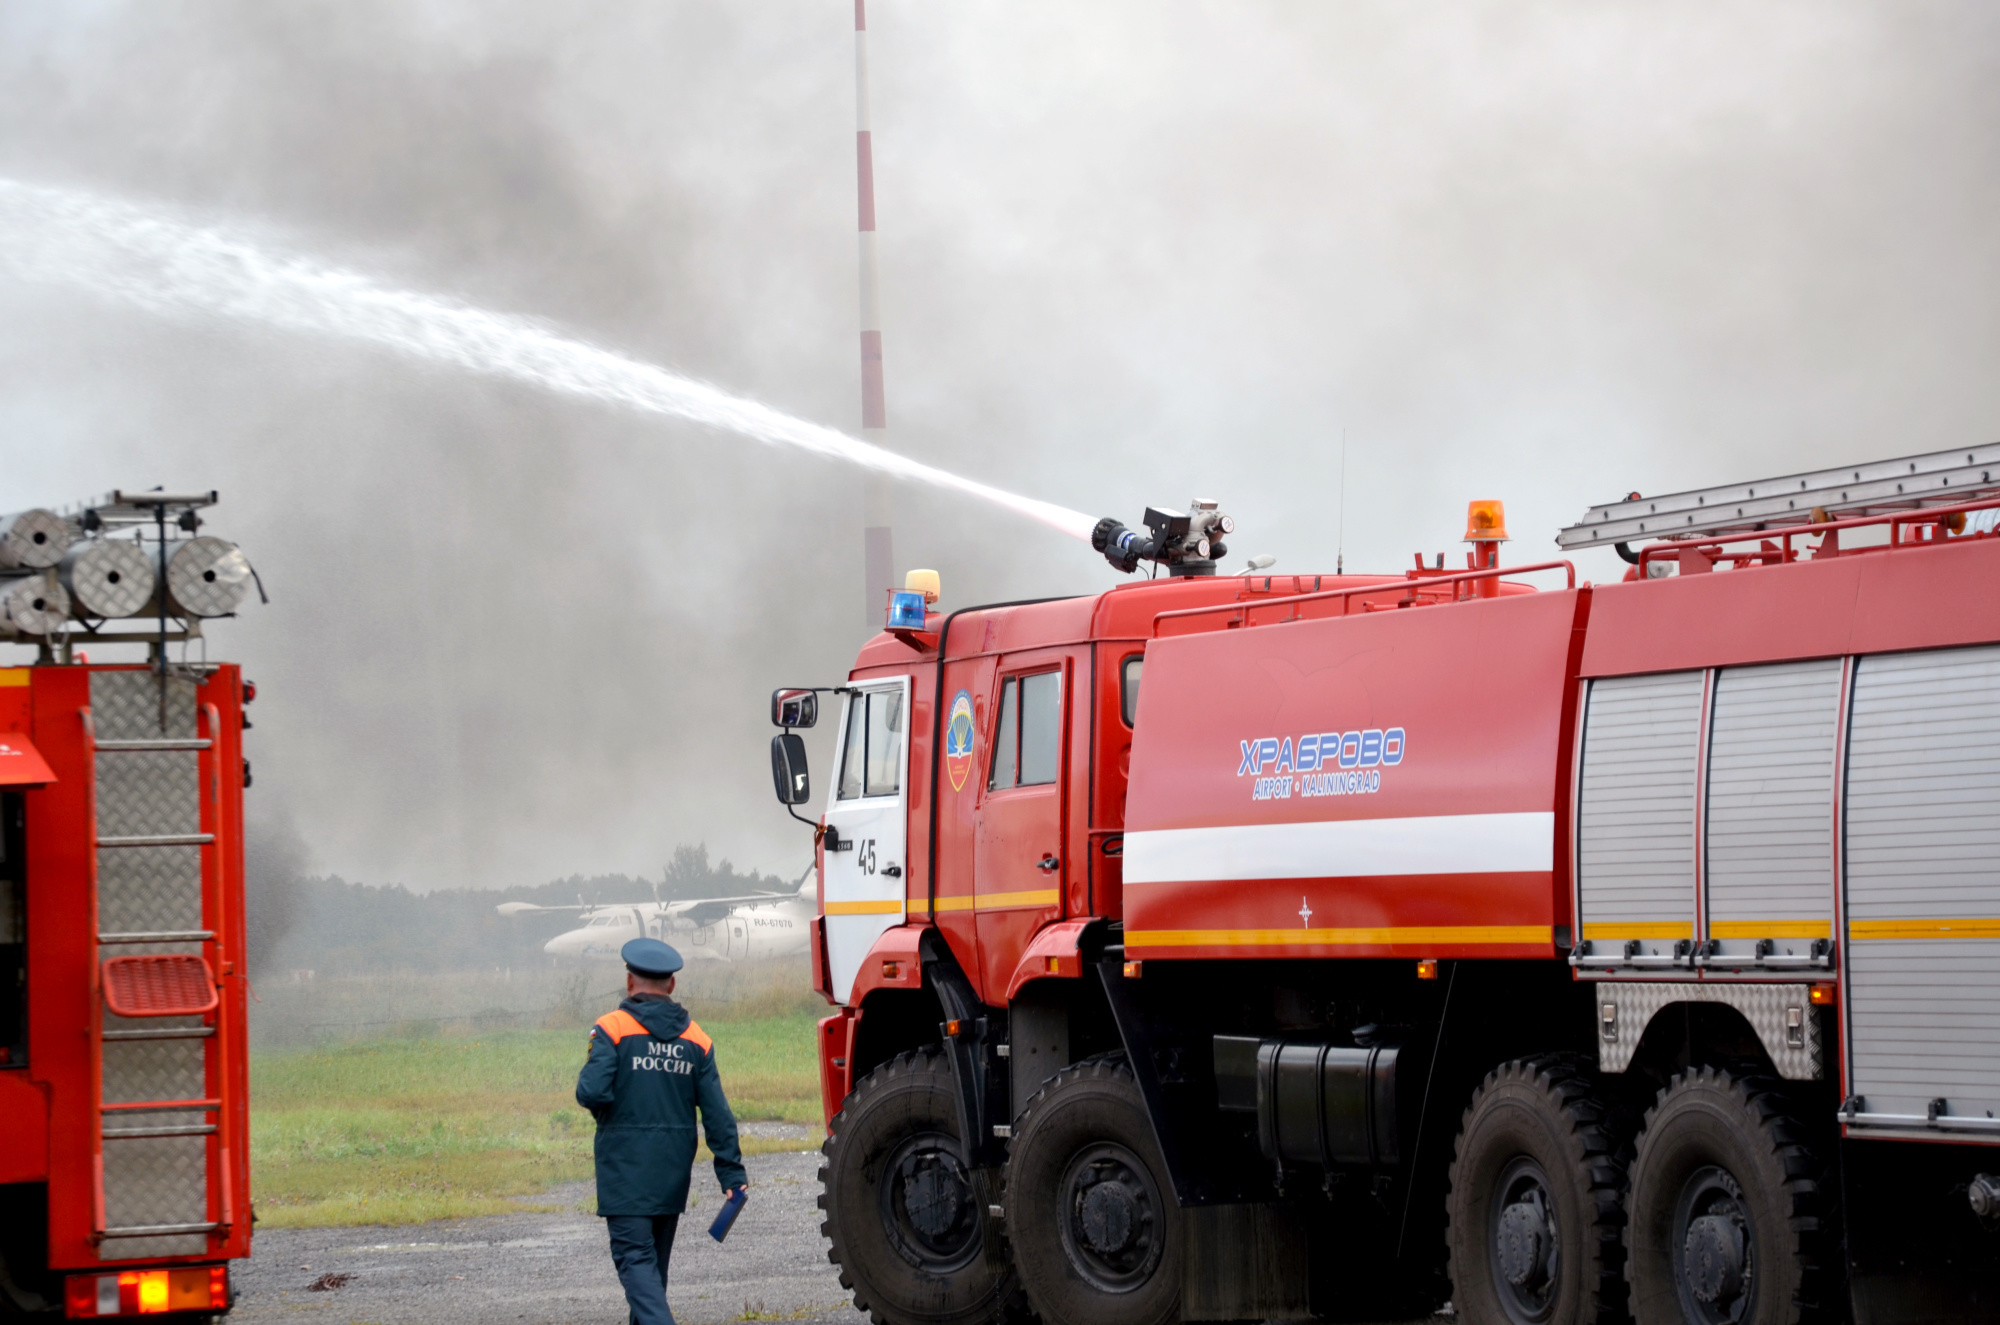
1275, 946
124, 1083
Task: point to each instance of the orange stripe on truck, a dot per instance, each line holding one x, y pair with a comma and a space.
1437, 935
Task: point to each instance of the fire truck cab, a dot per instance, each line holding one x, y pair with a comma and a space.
1275, 947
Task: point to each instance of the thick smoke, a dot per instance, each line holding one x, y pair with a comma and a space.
274, 888
1132, 253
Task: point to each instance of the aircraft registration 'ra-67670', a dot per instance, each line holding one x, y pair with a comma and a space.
703, 929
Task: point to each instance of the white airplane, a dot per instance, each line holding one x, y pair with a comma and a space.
703, 929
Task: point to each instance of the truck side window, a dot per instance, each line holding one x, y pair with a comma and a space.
871, 759
1027, 737
1041, 727
885, 743
1006, 739
1128, 687
854, 747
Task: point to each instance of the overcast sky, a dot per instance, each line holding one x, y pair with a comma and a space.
1131, 253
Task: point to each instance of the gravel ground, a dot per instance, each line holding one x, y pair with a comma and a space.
554, 1268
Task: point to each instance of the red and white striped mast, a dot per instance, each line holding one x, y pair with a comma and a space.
877, 547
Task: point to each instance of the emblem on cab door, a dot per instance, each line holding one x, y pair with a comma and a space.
958, 739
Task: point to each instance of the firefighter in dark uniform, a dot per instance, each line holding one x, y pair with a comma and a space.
650, 1068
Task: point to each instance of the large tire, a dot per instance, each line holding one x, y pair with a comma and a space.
1535, 1210
906, 1217
1726, 1208
1091, 1214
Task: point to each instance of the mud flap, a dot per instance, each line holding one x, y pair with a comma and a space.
1243, 1262
1175, 1069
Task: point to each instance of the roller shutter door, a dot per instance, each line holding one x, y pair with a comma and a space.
1769, 830
1923, 883
1635, 812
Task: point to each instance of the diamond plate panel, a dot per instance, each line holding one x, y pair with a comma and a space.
125, 706
149, 889
146, 1249
136, 1070
113, 1022
147, 792
155, 1180
1767, 1008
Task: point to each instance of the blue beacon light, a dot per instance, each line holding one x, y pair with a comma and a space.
906, 609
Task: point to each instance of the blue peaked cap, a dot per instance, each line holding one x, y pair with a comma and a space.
650, 957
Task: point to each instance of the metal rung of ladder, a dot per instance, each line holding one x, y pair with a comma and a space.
168, 743
163, 1033
159, 936
1939, 478
157, 1230
159, 840
141, 1133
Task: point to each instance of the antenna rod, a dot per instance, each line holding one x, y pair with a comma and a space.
877, 546
1340, 530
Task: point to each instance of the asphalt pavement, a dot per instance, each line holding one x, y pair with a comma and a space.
536, 1268
553, 1268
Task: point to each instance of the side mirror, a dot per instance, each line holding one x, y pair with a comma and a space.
794, 708
788, 768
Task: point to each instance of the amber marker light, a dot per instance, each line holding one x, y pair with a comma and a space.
1486, 522
1053, 966
1427, 969
148, 1292
891, 970
1133, 970
1822, 995
951, 1028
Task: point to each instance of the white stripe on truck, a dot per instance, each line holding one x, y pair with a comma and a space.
1345, 848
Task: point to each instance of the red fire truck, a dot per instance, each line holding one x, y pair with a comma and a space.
1571, 953
124, 1176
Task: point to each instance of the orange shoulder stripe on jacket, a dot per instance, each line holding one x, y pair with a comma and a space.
617, 1025
694, 1034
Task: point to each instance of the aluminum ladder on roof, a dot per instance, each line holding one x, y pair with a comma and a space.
1939, 478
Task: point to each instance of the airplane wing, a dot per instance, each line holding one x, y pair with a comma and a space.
703, 913
529, 908
704, 903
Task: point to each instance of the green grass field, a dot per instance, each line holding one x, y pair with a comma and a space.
403, 1130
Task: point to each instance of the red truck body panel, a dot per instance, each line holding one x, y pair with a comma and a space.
1431, 829
1861, 602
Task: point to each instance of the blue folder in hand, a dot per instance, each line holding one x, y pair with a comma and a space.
727, 1214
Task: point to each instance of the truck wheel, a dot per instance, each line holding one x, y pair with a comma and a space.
1536, 1189
906, 1216
1091, 1213
1725, 1207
